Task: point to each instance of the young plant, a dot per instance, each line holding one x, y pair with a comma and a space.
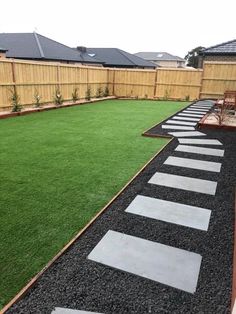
15, 101
75, 95
57, 98
167, 95
106, 92
99, 92
222, 112
88, 93
37, 99
187, 98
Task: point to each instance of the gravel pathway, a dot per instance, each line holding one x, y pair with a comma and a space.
163, 246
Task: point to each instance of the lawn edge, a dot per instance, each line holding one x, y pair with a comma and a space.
146, 134
33, 280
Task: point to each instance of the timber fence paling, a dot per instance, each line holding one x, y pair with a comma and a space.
27, 77
217, 78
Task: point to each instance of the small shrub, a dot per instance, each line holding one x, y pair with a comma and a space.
88, 93
15, 101
57, 98
75, 95
146, 96
187, 98
167, 95
99, 92
37, 99
106, 92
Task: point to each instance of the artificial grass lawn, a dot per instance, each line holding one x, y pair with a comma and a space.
58, 169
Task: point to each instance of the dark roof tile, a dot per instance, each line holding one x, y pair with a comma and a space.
118, 57
36, 46
228, 47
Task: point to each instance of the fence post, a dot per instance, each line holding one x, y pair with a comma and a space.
113, 82
201, 84
155, 84
58, 77
13, 75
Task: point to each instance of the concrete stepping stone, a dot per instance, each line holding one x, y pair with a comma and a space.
202, 104
184, 183
201, 107
198, 110
200, 150
188, 114
177, 127
193, 164
180, 214
60, 310
187, 133
206, 102
162, 263
185, 118
181, 122
194, 111
199, 141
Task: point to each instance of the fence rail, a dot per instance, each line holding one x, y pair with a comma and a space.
28, 77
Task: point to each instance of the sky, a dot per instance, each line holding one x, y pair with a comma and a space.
174, 26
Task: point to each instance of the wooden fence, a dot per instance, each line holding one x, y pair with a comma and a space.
186, 84
217, 78
27, 78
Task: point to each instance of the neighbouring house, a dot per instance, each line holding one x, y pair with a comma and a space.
33, 46
3, 52
114, 57
162, 59
222, 52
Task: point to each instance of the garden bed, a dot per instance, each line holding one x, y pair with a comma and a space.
28, 110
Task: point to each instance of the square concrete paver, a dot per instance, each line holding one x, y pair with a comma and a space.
185, 215
193, 163
200, 150
187, 133
181, 122
177, 127
161, 263
184, 183
199, 141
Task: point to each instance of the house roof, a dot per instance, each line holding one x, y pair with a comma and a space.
118, 57
158, 56
36, 46
3, 49
226, 48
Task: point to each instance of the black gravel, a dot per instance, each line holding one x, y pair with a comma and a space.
77, 283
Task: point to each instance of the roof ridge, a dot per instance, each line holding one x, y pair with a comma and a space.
39, 45
215, 46
133, 55
122, 52
55, 41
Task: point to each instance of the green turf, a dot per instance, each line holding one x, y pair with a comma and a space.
59, 168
